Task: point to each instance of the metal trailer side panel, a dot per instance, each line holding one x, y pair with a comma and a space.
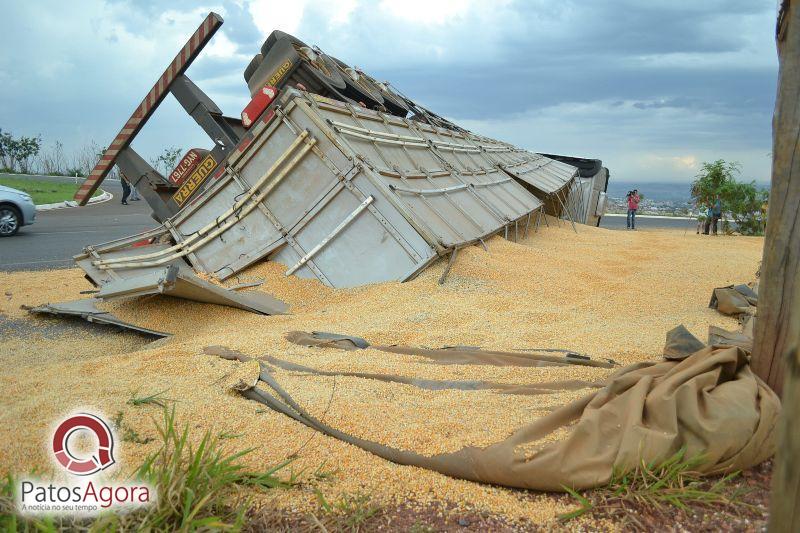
598, 186
548, 176
443, 204
352, 234
491, 184
415, 176
350, 245
300, 179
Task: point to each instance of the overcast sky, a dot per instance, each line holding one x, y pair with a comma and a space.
653, 88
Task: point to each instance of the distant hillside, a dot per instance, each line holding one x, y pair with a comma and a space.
663, 191
660, 191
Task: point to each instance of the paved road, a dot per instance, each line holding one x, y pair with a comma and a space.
59, 234
645, 223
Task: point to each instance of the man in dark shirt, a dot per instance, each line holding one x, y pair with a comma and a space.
716, 213
126, 189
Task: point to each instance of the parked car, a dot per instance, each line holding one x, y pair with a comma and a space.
16, 210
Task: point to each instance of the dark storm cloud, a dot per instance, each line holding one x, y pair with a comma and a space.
636, 83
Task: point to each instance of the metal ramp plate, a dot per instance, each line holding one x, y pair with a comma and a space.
87, 310
181, 282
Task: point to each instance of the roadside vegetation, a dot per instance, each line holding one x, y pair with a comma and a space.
30, 155
200, 486
745, 202
654, 494
43, 191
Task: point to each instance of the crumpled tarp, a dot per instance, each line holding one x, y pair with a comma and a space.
681, 343
709, 403
735, 299
740, 301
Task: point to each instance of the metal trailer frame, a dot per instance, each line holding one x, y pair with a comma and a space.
333, 191
225, 132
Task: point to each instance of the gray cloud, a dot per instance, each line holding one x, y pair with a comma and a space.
650, 87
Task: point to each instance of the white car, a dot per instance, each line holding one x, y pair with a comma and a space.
16, 210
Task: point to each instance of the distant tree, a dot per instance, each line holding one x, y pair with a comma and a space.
85, 158
16, 154
27, 149
52, 161
712, 178
743, 201
7, 150
167, 160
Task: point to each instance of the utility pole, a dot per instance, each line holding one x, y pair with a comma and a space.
776, 350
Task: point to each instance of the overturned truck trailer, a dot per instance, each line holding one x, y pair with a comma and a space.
329, 172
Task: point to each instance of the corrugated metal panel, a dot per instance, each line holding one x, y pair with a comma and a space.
344, 194
546, 175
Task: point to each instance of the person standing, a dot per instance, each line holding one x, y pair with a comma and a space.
134, 193
633, 205
126, 189
716, 213
702, 215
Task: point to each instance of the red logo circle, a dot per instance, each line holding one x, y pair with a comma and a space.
100, 459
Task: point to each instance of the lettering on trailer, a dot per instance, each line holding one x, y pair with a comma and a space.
280, 73
186, 165
196, 179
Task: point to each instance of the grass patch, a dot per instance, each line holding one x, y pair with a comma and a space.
351, 512
128, 433
152, 399
657, 489
199, 486
44, 191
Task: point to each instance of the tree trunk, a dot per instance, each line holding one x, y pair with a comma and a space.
776, 350
781, 260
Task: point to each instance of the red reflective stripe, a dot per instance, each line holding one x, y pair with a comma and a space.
210, 24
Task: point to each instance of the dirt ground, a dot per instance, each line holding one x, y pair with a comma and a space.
609, 294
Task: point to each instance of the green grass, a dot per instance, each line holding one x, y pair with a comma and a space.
151, 399
674, 483
44, 191
200, 486
350, 512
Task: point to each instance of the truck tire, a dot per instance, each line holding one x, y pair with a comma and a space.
272, 38
359, 88
393, 103
290, 61
252, 66
10, 220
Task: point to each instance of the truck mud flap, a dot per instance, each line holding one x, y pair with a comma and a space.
87, 310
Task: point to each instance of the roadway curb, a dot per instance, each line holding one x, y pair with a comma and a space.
106, 196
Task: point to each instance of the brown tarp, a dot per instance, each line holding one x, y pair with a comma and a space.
741, 301
709, 403
531, 389
452, 355
734, 300
681, 343
720, 336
